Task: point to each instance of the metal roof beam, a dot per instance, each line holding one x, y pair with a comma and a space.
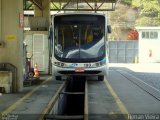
77, 5
38, 3
98, 1
89, 5
27, 5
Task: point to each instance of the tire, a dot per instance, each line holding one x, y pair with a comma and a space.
100, 78
30, 74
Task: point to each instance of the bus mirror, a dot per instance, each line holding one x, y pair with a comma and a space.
109, 29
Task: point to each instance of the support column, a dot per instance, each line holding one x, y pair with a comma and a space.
0, 20
46, 9
12, 35
37, 12
45, 12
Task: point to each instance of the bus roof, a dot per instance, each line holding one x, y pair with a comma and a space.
79, 13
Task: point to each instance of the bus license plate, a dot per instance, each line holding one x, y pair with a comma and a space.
79, 70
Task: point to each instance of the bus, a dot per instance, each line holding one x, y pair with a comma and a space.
80, 45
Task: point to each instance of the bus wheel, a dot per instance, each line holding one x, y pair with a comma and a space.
100, 78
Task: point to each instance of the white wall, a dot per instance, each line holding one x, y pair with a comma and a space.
149, 46
28, 39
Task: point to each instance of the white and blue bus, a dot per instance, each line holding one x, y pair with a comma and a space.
80, 45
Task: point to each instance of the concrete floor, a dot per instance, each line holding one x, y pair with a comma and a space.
113, 98
29, 104
121, 96
136, 100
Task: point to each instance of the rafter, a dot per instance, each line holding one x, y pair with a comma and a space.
78, 5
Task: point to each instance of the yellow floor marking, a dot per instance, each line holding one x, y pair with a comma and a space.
86, 101
118, 101
17, 103
52, 101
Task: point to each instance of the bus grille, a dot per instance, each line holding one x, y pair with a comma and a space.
85, 72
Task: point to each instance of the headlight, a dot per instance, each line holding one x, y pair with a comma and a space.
98, 64
59, 64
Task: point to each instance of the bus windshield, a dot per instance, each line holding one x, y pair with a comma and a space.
79, 39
